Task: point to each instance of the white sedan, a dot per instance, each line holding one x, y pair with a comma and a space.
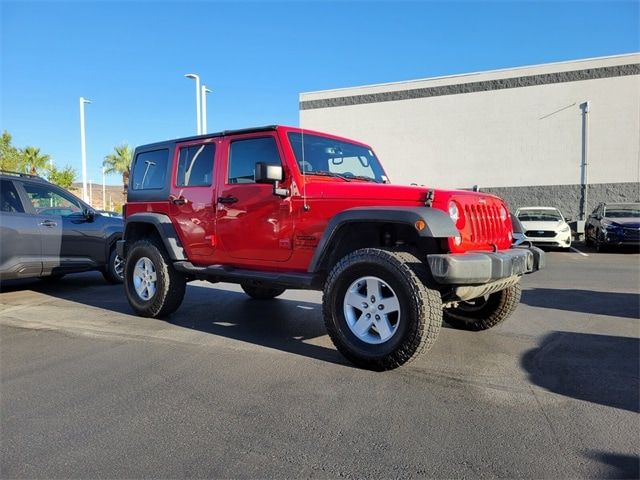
545, 226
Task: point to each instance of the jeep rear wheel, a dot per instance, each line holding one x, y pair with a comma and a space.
261, 293
486, 312
377, 310
153, 287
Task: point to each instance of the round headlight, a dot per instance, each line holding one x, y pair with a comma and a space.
454, 213
503, 213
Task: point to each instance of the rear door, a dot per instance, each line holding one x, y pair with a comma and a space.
192, 198
20, 238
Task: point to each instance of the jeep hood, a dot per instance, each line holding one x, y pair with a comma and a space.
384, 193
362, 190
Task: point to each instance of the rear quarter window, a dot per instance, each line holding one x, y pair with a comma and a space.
149, 170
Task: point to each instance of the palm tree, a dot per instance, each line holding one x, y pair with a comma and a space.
120, 162
34, 160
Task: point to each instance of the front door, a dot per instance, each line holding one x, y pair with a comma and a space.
252, 223
193, 190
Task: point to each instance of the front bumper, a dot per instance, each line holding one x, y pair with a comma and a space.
477, 268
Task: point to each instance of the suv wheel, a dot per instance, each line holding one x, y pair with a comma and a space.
485, 312
377, 310
114, 270
261, 293
153, 287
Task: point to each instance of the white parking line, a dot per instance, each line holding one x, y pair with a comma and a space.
578, 251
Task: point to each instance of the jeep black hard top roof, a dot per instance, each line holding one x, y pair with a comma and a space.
207, 135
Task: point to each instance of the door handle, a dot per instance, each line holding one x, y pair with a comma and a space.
48, 223
227, 200
178, 200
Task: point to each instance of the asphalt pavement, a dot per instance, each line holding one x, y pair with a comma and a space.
231, 387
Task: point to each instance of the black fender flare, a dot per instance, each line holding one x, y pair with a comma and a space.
163, 225
438, 225
110, 243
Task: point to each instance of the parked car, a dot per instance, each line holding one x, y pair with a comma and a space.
47, 232
277, 207
613, 224
545, 227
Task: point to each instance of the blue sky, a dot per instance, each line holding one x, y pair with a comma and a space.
129, 58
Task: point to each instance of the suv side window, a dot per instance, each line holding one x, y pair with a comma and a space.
244, 154
9, 199
50, 201
195, 166
149, 170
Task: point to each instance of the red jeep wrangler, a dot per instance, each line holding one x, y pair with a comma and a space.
278, 207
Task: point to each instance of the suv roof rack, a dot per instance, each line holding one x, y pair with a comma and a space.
20, 174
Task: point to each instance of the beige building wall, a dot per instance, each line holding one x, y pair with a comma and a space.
519, 127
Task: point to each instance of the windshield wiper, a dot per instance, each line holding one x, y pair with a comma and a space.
363, 177
322, 173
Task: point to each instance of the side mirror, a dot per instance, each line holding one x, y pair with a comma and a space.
265, 173
89, 214
274, 174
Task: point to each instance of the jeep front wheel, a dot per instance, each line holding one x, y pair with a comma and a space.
486, 312
153, 287
377, 310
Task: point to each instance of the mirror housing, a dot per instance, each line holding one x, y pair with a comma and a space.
89, 214
265, 173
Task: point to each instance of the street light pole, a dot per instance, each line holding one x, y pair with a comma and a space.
203, 95
83, 147
195, 77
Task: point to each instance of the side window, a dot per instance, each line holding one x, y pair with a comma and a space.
9, 199
49, 201
149, 170
195, 166
244, 154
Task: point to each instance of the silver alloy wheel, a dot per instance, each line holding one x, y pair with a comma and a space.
144, 278
118, 266
372, 310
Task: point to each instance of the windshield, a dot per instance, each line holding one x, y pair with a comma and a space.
539, 215
622, 211
326, 155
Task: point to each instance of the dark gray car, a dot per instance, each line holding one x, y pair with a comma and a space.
47, 232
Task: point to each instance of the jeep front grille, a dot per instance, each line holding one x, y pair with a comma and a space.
485, 223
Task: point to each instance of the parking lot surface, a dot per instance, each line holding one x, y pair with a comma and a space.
237, 388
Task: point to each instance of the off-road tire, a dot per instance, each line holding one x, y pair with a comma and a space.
262, 293
420, 308
110, 272
496, 309
170, 284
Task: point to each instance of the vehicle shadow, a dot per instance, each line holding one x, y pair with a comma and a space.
621, 466
585, 301
623, 249
601, 369
281, 324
